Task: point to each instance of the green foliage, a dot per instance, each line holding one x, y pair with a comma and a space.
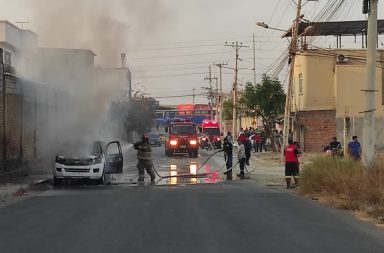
228, 109
265, 100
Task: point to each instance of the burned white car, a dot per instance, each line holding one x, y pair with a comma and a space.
88, 160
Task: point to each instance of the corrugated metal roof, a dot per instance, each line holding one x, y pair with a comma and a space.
339, 28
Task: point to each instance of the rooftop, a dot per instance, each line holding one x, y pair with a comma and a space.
339, 28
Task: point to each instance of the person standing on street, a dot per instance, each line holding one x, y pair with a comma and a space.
242, 158
276, 141
256, 140
292, 154
228, 152
248, 149
354, 149
262, 142
144, 158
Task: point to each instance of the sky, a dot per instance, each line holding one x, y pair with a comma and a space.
170, 44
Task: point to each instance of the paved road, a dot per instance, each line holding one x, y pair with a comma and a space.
237, 216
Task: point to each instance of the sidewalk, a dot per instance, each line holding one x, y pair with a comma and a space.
266, 169
269, 169
17, 184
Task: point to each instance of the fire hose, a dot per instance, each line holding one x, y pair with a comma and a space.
202, 174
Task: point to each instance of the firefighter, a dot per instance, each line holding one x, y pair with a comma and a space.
228, 151
144, 158
292, 154
248, 149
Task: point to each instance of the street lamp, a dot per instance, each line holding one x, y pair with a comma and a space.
292, 53
264, 25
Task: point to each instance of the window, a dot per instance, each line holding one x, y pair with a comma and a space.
301, 83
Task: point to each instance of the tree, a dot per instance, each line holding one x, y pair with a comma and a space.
265, 100
228, 109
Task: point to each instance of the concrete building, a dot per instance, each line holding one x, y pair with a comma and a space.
20, 49
328, 98
51, 94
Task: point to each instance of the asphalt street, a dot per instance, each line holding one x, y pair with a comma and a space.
180, 215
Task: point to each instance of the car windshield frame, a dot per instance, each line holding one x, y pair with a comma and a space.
211, 131
183, 129
154, 135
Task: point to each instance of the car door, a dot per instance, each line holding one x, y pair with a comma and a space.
113, 158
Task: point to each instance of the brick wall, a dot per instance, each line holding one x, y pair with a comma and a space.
13, 122
27, 123
29, 131
317, 127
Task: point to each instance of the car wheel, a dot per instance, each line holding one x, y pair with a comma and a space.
57, 181
102, 179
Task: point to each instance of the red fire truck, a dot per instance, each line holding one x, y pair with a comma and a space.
182, 138
211, 134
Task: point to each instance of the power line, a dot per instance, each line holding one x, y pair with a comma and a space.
185, 74
172, 56
182, 96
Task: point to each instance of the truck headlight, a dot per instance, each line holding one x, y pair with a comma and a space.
193, 142
173, 142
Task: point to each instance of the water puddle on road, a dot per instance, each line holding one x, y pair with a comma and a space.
173, 175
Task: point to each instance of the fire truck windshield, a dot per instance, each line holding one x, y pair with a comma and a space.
183, 129
211, 131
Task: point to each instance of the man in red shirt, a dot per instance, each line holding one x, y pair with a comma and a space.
292, 154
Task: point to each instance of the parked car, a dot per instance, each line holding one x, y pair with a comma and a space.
154, 139
89, 160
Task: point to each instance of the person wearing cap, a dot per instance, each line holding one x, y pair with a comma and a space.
144, 158
248, 148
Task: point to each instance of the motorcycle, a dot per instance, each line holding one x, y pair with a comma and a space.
328, 150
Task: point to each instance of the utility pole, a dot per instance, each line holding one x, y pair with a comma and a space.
210, 94
237, 46
254, 60
369, 91
221, 97
217, 100
292, 54
5, 109
193, 97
